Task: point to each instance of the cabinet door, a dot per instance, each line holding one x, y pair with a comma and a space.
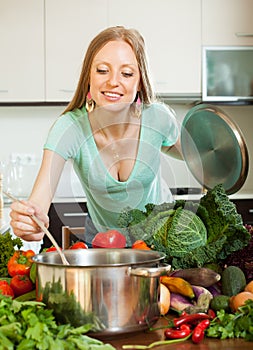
70, 26
172, 32
22, 50
227, 22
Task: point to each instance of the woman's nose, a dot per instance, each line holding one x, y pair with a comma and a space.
113, 79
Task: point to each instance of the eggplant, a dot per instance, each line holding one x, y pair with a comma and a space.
199, 276
178, 302
215, 290
203, 297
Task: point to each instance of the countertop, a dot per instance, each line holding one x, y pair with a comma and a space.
146, 338
238, 195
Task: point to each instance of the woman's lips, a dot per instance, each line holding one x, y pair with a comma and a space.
112, 96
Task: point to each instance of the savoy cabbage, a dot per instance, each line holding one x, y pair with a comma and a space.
190, 234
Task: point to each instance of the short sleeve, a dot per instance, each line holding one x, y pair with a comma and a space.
64, 137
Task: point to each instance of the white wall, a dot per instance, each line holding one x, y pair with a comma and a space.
24, 129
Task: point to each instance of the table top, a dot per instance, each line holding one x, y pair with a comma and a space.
147, 337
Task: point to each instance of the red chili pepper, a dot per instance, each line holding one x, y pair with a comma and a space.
199, 331
183, 313
189, 319
211, 313
175, 333
20, 263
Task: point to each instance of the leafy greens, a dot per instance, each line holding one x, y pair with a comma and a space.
7, 249
29, 325
233, 325
209, 231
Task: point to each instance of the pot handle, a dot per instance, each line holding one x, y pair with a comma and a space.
148, 271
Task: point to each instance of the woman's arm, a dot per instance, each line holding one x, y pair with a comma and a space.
40, 199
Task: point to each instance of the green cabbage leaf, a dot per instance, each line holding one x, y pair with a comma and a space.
190, 234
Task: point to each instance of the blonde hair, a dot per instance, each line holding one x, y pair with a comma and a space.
136, 41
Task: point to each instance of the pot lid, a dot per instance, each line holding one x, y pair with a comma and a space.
214, 148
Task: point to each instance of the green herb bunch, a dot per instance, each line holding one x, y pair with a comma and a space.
29, 325
7, 249
237, 325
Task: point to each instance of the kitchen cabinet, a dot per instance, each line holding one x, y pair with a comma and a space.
173, 40
172, 32
22, 50
64, 214
69, 27
227, 22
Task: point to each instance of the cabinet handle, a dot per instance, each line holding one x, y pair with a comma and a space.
75, 214
66, 90
3, 91
251, 211
242, 34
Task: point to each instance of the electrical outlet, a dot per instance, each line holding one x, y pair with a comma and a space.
23, 158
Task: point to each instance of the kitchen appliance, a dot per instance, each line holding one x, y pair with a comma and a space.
214, 148
227, 73
117, 290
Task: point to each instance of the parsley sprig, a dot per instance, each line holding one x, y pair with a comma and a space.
237, 325
30, 325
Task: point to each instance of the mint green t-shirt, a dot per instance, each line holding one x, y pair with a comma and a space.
71, 137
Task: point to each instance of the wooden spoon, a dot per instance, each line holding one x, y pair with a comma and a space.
44, 229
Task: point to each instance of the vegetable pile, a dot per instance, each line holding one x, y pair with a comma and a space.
7, 249
243, 258
29, 325
190, 234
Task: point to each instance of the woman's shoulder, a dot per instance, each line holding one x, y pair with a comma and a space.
158, 111
76, 114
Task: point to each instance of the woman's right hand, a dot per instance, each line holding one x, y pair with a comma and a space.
22, 223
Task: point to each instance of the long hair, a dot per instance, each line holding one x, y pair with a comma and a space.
136, 41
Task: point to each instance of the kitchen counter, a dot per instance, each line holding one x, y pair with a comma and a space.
194, 197
146, 338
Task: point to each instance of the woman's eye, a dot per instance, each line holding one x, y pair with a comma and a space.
127, 74
102, 71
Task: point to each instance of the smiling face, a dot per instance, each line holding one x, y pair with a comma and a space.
114, 76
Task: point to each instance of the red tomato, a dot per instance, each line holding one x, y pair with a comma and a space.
109, 239
139, 244
79, 245
50, 249
5, 289
21, 284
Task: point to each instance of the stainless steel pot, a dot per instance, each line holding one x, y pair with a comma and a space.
116, 290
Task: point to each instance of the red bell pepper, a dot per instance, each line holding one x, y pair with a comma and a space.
20, 263
139, 244
109, 239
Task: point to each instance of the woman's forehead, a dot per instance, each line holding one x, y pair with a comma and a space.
117, 50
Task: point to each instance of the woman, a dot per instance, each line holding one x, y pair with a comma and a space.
113, 131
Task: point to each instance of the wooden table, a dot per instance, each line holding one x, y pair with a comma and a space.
145, 338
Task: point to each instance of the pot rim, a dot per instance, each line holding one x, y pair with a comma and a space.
53, 258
